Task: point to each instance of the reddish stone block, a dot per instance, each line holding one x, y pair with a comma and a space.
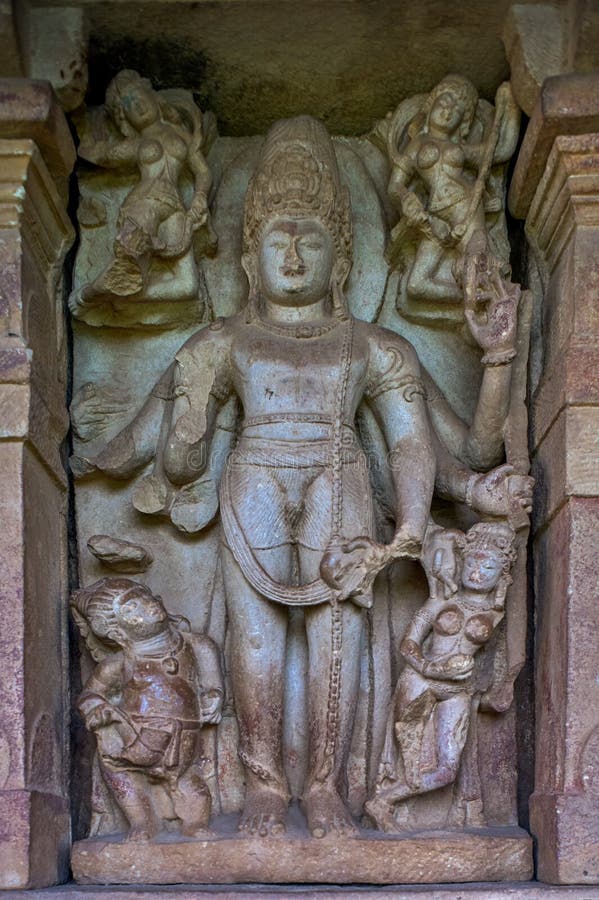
566, 799
566, 461
33, 839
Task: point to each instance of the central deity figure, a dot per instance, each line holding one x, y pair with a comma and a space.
296, 502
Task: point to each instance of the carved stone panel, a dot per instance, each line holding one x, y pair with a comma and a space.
332, 493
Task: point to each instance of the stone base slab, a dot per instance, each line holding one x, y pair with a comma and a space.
531, 890
488, 854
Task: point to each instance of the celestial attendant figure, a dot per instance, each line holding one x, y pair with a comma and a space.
439, 681
155, 684
442, 182
154, 244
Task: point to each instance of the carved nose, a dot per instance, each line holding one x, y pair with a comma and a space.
293, 264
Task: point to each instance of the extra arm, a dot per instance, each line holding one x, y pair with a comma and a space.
201, 386
397, 396
480, 445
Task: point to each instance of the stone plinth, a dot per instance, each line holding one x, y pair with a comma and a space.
372, 858
35, 234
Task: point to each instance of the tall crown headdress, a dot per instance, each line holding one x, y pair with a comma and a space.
297, 177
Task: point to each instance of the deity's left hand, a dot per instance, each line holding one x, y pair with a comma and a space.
490, 306
502, 492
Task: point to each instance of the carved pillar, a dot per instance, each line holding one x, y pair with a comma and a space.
560, 158
36, 155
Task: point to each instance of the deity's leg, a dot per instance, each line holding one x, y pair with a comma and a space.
257, 629
332, 696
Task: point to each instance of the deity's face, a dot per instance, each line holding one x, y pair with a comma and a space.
141, 614
447, 112
482, 569
141, 106
295, 262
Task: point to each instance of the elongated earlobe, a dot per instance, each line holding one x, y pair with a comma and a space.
249, 266
338, 278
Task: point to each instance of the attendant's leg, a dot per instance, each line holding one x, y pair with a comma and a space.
430, 278
257, 631
413, 704
453, 719
132, 792
192, 803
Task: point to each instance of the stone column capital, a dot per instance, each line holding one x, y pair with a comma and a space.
567, 105
567, 195
30, 109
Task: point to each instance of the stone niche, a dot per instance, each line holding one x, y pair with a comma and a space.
308, 375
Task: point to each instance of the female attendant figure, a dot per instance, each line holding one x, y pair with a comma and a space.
439, 683
162, 137
445, 183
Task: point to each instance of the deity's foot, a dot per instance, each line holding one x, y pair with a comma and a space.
200, 833
381, 811
139, 834
326, 813
264, 813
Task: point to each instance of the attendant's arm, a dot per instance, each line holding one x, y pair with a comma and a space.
105, 681
418, 629
401, 196
202, 179
110, 154
509, 129
211, 686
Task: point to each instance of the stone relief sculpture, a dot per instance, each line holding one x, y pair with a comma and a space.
154, 686
448, 152
309, 463
294, 495
161, 229
439, 684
